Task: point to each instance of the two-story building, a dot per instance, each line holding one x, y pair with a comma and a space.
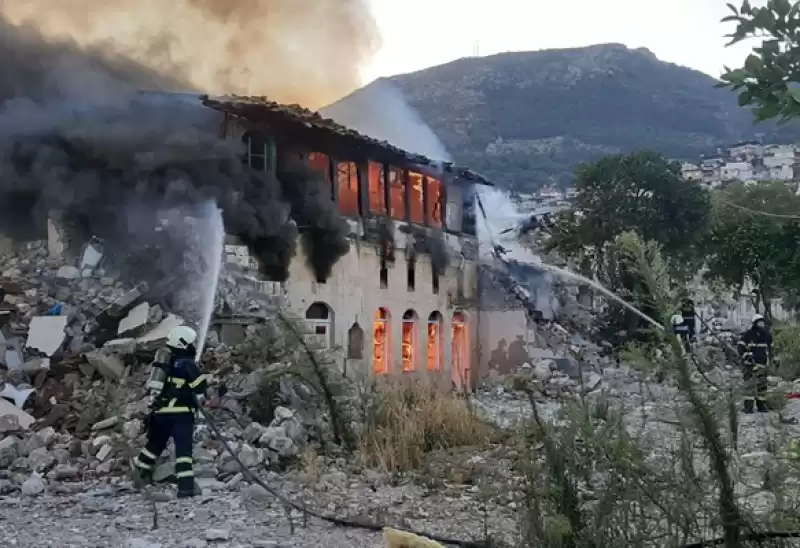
406, 298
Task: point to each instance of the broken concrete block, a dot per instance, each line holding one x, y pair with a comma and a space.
46, 333
104, 452
108, 365
13, 360
136, 320
13, 418
105, 424
16, 395
91, 256
121, 346
68, 273
159, 333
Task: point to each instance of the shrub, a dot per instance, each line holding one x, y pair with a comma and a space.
408, 419
787, 347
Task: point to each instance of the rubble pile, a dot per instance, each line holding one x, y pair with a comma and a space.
75, 345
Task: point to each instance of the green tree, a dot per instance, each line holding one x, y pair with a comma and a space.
640, 192
769, 81
748, 247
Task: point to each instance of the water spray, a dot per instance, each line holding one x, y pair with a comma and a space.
214, 236
537, 262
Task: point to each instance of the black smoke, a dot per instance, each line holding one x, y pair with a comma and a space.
324, 232
432, 242
77, 137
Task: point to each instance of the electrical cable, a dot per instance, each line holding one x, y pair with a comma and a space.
288, 504
762, 213
335, 520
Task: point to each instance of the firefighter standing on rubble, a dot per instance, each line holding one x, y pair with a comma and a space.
682, 331
176, 389
755, 349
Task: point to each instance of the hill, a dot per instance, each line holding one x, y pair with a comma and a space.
527, 119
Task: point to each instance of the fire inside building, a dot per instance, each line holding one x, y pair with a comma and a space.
406, 298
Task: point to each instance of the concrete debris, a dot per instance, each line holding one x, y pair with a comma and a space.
15, 394
46, 334
108, 365
12, 418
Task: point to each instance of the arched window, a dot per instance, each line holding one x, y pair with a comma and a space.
460, 352
435, 347
355, 342
381, 342
409, 342
319, 319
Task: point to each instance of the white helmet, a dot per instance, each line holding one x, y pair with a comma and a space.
181, 337
676, 319
757, 318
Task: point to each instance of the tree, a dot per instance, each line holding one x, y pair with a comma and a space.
769, 81
744, 247
642, 193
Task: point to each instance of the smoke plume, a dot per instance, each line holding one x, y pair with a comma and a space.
77, 137
380, 111
304, 51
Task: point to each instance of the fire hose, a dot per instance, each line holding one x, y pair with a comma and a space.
289, 504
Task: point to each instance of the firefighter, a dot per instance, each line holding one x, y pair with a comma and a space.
176, 389
681, 330
755, 349
689, 315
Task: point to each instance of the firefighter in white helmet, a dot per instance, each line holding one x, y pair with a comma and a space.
176, 386
755, 349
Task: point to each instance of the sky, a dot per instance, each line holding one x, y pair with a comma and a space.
422, 33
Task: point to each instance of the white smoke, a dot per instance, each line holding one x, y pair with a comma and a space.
380, 111
524, 266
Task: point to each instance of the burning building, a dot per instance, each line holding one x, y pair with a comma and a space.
403, 295
388, 278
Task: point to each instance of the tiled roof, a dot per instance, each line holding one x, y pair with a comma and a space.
261, 109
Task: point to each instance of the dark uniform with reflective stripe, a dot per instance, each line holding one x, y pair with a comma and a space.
689, 315
682, 331
173, 417
755, 349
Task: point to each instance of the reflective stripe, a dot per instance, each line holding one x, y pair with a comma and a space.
148, 454
758, 345
197, 381
157, 385
183, 460
176, 381
174, 410
186, 474
140, 464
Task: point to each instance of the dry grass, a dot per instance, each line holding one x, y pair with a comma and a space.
310, 465
409, 419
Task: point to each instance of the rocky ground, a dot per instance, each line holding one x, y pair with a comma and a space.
74, 411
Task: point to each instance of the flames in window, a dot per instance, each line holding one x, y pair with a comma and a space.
347, 183
433, 190
377, 189
409, 340
397, 194
381, 349
416, 203
434, 342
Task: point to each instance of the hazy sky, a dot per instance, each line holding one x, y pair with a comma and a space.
422, 33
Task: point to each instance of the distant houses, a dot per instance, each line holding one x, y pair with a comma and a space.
748, 162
